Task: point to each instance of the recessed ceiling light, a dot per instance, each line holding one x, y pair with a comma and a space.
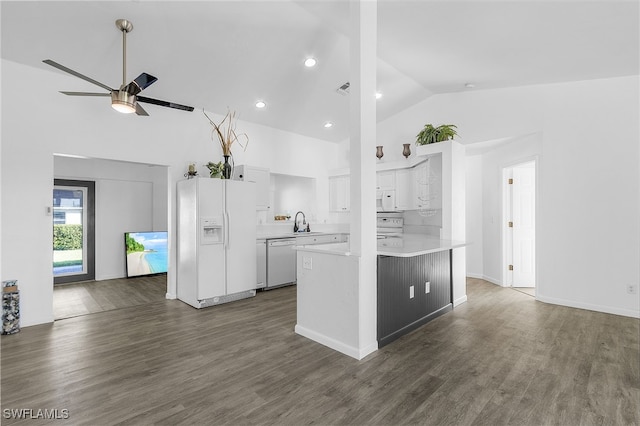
310, 62
328, 124
469, 85
260, 104
378, 95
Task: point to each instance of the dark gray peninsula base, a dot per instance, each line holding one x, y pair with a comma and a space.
411, 292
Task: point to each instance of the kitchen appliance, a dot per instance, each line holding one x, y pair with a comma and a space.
385, 200
389, 224
216, 246
281, 262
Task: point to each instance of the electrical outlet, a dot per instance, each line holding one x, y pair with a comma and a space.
411, 292
307, 262
632, 289
427, 287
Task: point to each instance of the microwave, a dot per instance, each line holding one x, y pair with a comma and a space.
385, 201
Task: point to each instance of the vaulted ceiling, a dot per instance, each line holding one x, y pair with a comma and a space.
229, 54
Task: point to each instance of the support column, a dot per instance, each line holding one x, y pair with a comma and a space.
362, 131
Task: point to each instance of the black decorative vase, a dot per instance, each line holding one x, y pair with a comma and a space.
226, 168
406, 150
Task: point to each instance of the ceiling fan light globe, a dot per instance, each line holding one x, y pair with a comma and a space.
123, 102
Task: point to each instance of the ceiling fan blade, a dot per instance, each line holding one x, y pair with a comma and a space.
85, 94
164, 103
75, 73
140, 110
141, 82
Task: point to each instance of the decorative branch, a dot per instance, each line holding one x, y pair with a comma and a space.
227, 136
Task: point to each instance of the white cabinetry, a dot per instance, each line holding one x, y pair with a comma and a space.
261, 178
339, 195
261, 263
422, 190
405, 189
386, 181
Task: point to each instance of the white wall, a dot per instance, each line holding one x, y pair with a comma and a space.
41, 122
129, 197
586, 135
474, 216
491, 208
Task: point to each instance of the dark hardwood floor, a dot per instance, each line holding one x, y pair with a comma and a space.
89, 297
501, 358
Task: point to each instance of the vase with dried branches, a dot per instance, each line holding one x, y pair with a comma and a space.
225, 133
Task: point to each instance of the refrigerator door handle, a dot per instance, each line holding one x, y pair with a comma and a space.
226, 229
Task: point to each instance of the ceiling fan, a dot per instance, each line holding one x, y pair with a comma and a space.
126, 98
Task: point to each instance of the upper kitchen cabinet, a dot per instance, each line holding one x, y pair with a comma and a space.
260, 177
339, 194
405, 189
386, 181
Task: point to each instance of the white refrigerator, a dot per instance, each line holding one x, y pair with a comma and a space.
216, 245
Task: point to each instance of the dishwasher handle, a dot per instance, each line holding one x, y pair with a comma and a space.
282, 242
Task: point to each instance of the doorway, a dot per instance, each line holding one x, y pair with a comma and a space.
73, 231
519, 242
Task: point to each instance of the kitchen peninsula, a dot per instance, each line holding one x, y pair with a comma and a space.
414, 286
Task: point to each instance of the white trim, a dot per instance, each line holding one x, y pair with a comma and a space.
170, 296
460, 301
486, 278
473, 275
588, 306
336, 345
492, 280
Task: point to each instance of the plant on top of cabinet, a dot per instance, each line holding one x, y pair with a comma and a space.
215, 169
430, 134
226, 135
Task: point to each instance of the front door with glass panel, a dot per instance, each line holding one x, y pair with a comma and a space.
73, 231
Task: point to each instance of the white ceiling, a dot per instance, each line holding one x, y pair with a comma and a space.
219, 54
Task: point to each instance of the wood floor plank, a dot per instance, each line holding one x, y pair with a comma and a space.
502, 358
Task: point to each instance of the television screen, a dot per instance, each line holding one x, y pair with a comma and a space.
146, 253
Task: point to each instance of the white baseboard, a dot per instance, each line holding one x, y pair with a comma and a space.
486, 278
588, 306
35, 321
460, 300
336, 345
109, 277
170, 296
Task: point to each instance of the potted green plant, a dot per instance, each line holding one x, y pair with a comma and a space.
430, 134
215, 169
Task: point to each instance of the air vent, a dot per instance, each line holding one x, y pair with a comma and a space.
344, 89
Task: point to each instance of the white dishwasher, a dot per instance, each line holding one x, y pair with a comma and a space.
281, 262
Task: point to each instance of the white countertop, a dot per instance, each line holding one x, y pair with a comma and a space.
414, 245
408, 245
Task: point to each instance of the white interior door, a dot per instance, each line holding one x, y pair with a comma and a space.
523, 211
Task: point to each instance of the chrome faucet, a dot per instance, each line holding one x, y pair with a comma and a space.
304, 222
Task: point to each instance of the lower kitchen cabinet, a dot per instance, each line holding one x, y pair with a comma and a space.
261, 263
411, 292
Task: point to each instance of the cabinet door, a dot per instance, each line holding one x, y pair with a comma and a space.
386, 180
405, 187
339, 196
261, 178
421, 189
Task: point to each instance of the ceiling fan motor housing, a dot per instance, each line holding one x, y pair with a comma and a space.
122, 101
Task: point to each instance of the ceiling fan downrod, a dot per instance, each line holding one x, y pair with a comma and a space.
124, 26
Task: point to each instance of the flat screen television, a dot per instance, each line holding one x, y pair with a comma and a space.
146, 253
